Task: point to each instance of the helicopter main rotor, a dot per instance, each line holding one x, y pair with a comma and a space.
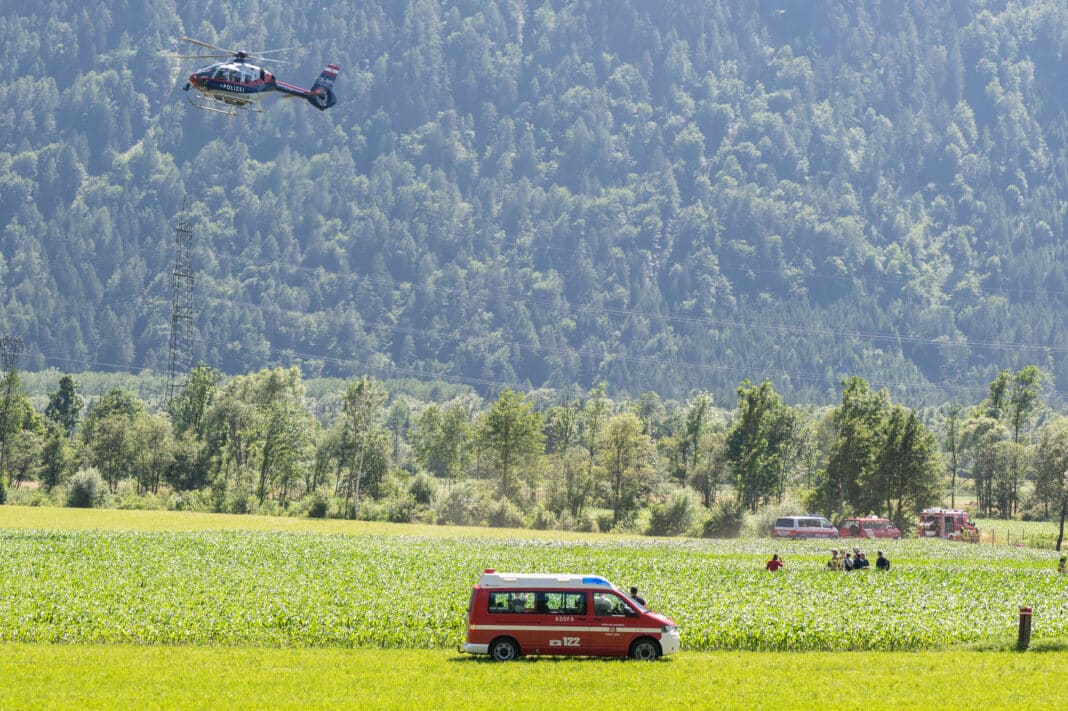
239, 55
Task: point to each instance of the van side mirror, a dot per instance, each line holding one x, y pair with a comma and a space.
630, 611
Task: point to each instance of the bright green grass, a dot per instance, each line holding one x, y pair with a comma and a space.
386, 588
62, 676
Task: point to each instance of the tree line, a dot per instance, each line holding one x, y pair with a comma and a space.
254, 443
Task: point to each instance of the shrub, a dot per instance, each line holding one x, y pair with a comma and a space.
725, 520
240, 501
368, 510
422, 489
189, 501
460, 506
401, 509
544, 520
25, 496
587, 523
86, 489
502, 513
318, 504
674, 516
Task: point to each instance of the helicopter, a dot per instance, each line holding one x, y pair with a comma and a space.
237, 84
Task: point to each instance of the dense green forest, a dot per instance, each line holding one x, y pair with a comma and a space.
662, 196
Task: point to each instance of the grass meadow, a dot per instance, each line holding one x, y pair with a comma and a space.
106, 608
108, 677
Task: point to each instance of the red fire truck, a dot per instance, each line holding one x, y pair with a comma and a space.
950, 524
512, 614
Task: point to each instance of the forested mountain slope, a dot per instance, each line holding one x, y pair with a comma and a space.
660, 195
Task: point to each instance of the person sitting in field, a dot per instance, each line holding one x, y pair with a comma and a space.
860, 561
774, 564
881, 561
847, 562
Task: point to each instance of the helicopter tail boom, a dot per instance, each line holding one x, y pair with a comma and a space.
321, 95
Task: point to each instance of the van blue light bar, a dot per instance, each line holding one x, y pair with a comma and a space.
595, 580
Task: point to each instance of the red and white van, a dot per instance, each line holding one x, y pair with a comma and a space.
512, 614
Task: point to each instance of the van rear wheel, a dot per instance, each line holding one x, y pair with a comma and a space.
645, 649
504, 649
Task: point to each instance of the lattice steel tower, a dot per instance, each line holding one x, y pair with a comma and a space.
181, 352
10, 350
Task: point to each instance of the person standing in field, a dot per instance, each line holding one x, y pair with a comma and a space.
774, 564
847, 562
881, 562
1062, 567
636, 597
835, 563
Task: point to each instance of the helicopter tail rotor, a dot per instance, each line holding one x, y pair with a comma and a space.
322, 94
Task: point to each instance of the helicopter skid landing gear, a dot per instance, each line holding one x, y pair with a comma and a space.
219, 106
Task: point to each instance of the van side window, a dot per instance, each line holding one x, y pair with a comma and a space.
509, 602
608, 604
562, 603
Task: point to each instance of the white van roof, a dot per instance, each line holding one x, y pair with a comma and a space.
493, 579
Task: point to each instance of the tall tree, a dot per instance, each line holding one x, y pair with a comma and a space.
697, 416
758, 442
1051, 470
56, 457
152, 450
571, 482
995, 405
713, 467
440, 440
510, 432
594, 414
189, 408
858, 427
259, 432
1025, 399
628, 458
65, 405
362, 405
980, 439
16, 416
398, 421
907, 468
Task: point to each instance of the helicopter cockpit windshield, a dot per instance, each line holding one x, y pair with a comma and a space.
234, 73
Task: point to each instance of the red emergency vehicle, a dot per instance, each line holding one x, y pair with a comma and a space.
951, 524
868, 527
512, 614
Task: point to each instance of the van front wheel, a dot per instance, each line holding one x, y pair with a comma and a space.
504, 649
645, 649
